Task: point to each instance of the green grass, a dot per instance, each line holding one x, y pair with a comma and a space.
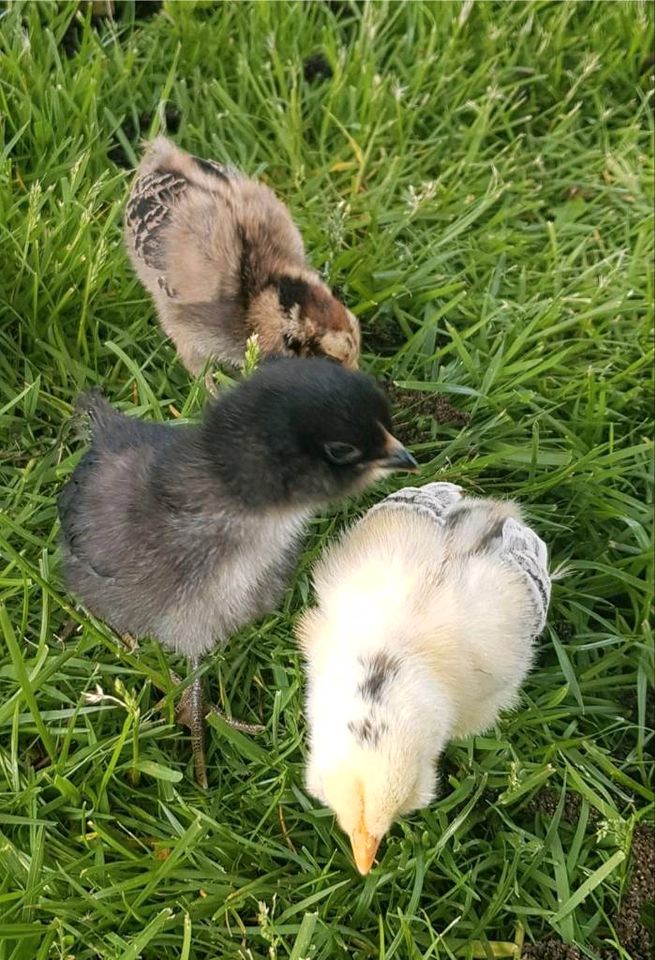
478, 179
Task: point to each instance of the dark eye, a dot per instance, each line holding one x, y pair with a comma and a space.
293, 344
342, 453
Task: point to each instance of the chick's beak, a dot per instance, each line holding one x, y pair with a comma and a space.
364, 847
397, 457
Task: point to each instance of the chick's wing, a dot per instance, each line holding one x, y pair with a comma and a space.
523, 549
100, 508
72, 514
148, 213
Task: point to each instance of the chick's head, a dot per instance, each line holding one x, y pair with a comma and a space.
369, 789
303, 432
297, 317
373, 754
341, 427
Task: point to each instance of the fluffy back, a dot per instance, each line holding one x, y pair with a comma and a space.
161, 155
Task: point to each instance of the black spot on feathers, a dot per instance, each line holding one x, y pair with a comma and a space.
211, 167
455, 517
487, 540
292, 343
247, 283
366, 732
291, 291
493, 534
379, 671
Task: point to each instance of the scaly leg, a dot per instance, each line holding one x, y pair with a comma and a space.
197, 726
182, 712
191, 712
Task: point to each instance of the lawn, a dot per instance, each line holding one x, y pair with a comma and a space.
477, 178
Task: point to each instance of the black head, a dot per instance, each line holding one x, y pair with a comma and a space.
302, 431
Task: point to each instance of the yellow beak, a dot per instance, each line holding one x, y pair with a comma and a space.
364, 847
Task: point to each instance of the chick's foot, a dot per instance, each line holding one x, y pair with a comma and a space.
191, 711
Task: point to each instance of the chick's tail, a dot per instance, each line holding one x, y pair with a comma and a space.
161, 157
160, 154
94, 408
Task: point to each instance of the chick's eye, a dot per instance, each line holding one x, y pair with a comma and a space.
342, 453
292, 343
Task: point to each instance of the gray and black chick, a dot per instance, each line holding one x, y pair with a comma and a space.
223, 260
187, 533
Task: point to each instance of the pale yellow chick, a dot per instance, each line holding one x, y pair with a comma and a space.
427, 611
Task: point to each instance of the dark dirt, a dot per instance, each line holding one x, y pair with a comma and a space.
564, 629
630, 701
316, 67
343, 8
546, 800
427, 404
383, 339
647, 63
550, 949
143, 9
70, 41
446, 412
410, 404
634, 920
639, 899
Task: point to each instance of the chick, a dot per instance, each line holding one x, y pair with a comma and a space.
187, 533
426, 614
223, 260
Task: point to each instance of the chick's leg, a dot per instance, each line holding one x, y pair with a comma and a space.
191, 715
197, 726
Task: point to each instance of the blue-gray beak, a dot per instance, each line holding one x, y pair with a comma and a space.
398, 458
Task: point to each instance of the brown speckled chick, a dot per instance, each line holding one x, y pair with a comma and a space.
223, 259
